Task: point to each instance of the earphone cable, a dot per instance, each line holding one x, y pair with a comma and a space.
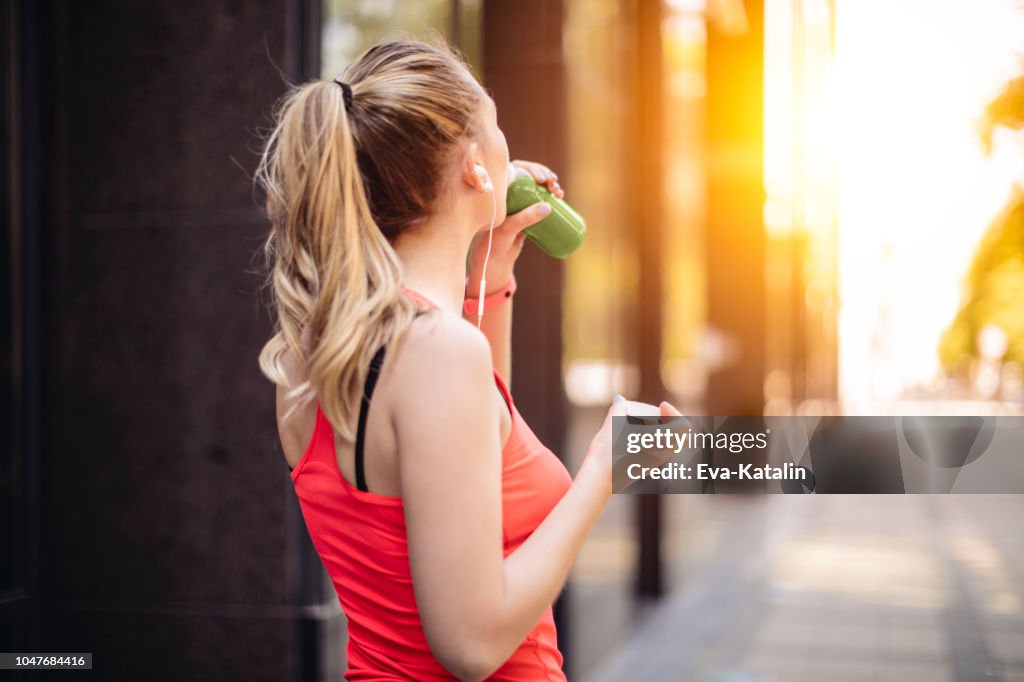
487, 256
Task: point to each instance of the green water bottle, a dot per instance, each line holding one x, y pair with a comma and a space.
561, 232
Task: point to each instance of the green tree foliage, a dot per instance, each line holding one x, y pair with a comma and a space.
994, 287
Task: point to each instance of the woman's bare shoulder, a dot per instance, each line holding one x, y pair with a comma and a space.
439, 341
443, 381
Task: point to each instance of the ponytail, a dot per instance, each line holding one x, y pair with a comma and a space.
345, 170
336, 280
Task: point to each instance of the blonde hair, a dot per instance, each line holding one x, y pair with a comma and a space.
341, 184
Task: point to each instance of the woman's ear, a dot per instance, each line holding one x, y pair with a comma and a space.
473, 171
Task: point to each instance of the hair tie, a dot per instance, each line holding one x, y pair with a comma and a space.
346, 92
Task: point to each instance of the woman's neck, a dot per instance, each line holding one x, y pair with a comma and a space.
433, 257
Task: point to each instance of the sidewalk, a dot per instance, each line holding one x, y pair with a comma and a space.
790, 588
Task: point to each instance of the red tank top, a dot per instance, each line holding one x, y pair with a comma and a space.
361, 539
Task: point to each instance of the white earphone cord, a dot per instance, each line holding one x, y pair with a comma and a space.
487, 257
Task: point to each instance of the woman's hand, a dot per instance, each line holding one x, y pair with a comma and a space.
542, 175
509, 237
599, 455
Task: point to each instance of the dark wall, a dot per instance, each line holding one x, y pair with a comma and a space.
169, 543
17, 574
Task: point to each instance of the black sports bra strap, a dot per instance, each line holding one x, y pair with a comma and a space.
364, 408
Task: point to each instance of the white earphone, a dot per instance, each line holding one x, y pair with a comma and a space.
485, 179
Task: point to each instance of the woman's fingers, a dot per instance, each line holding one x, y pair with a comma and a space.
517, 222
668, 410
539, 171
542, 175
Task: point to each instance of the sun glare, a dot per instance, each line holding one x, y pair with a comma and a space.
916, 190
896, 118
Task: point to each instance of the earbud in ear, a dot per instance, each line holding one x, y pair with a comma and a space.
481, 173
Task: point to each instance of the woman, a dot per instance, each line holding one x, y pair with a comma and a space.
447, 528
